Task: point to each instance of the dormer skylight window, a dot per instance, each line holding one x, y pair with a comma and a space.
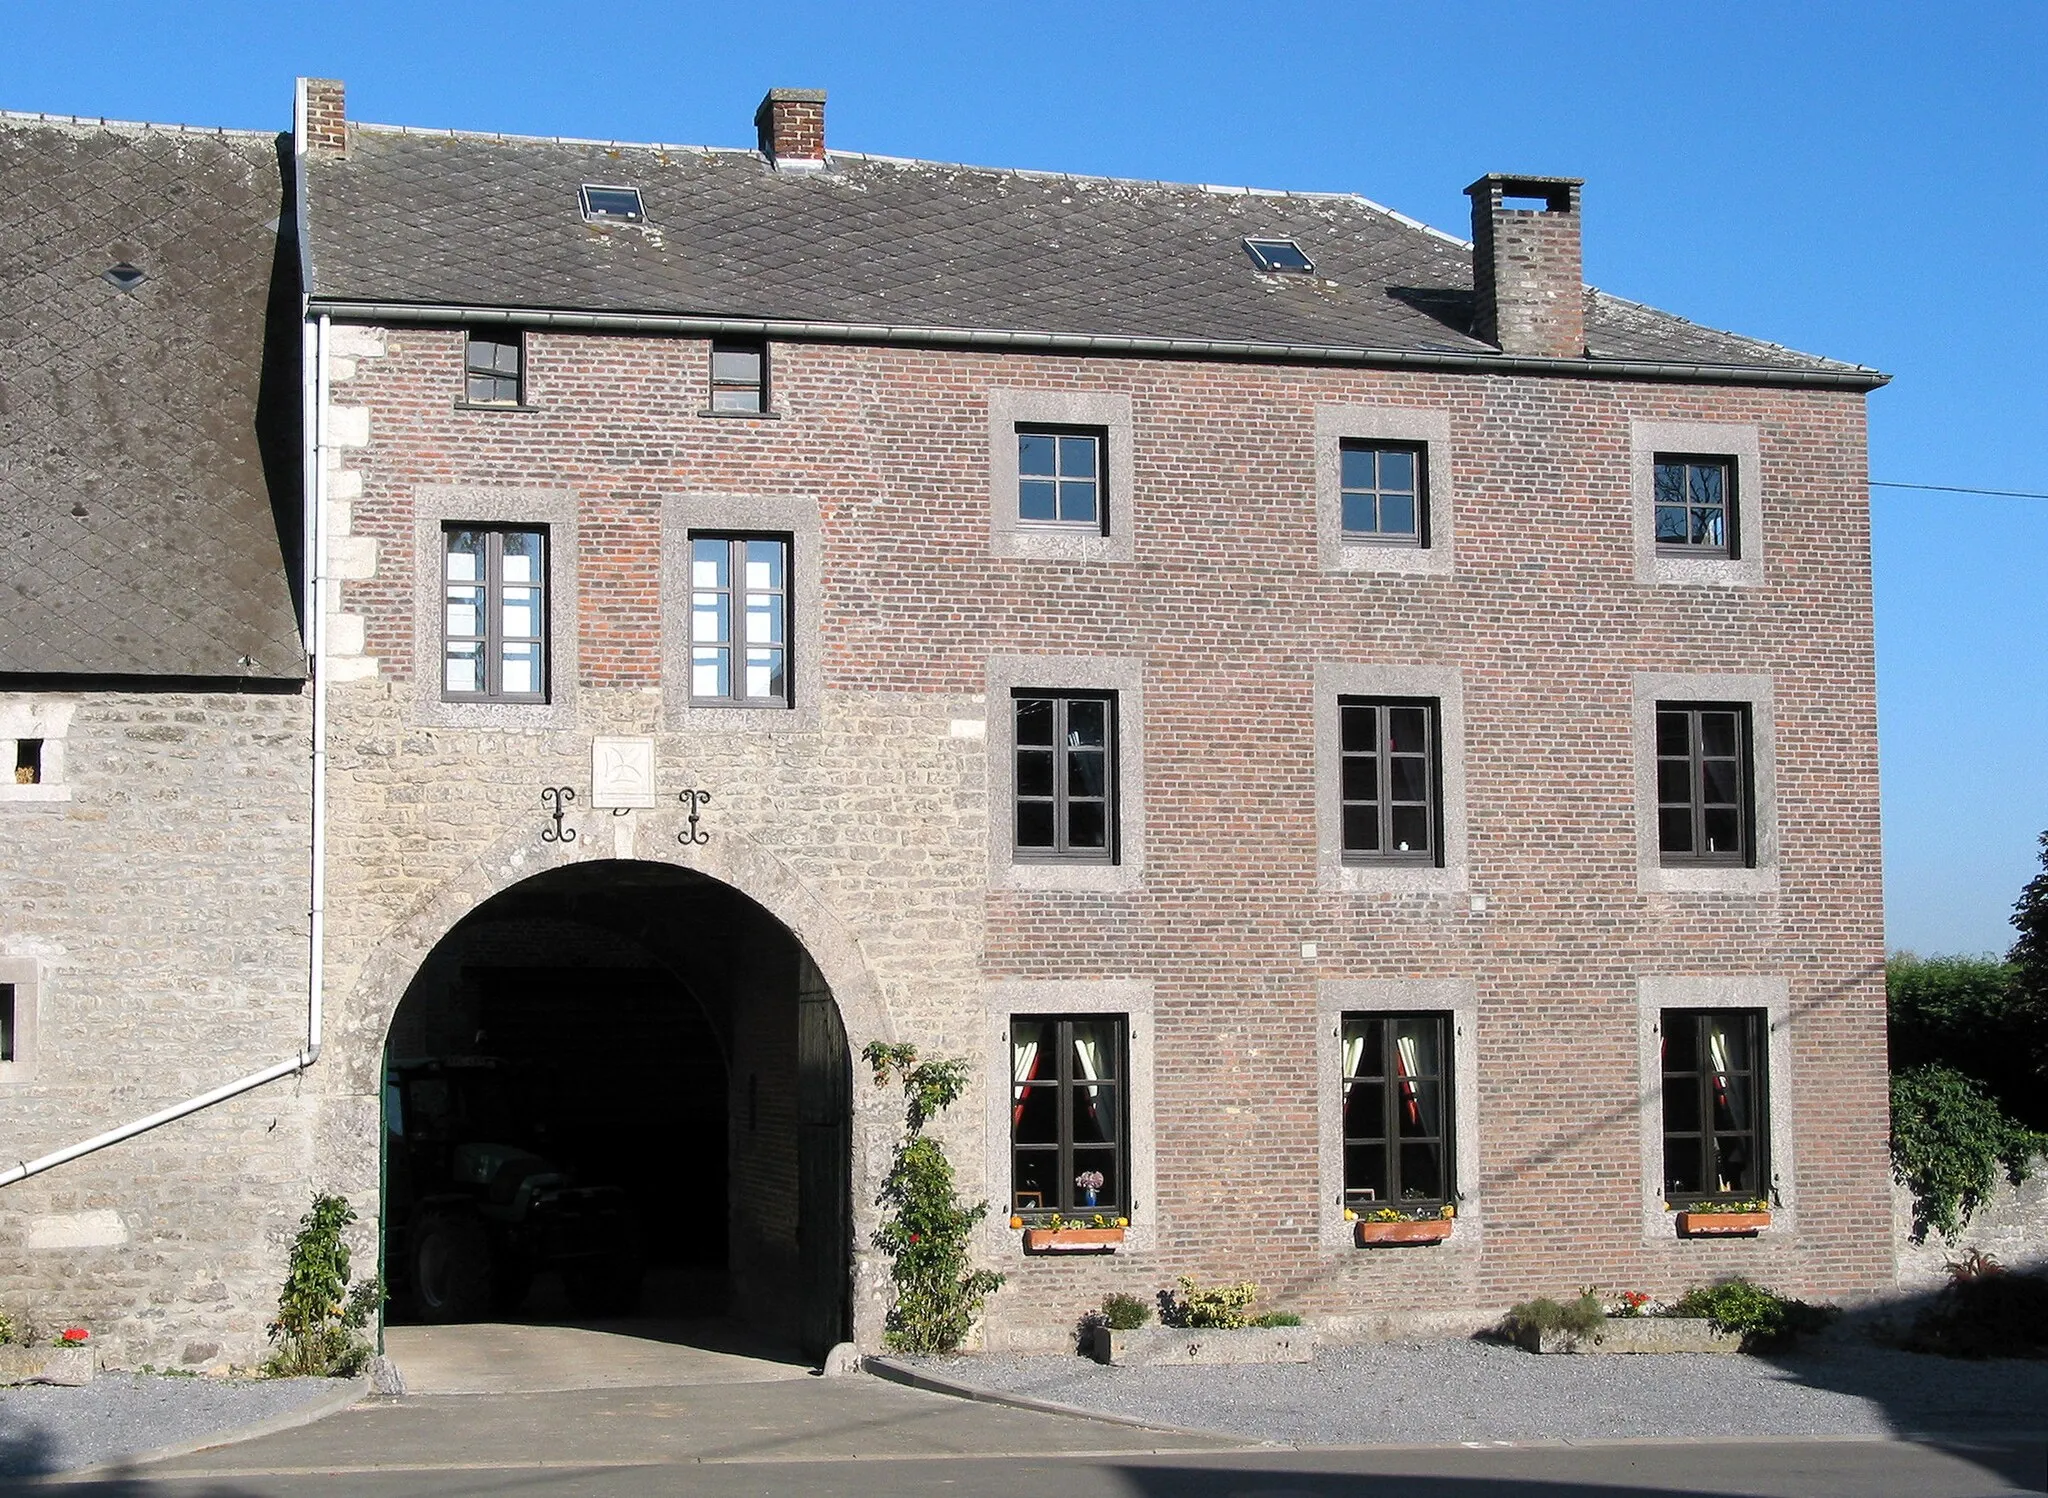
610, 205
1279, 255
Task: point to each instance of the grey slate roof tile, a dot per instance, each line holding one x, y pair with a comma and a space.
488, 221
137, 530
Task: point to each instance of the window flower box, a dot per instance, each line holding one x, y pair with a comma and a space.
1068, 1240
1710, 1222
1387, 1226
1377, 1234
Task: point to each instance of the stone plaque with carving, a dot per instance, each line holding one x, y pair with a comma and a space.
621, 772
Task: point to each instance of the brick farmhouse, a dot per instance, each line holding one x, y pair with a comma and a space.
1351, 735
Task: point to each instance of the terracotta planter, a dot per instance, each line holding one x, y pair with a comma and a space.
1072, 1240
1710, 1224
1429, 1230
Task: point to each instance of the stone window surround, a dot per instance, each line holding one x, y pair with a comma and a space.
1431, 431
1130, 997
1446, 685
1457, 997
1773, 995
1108, 411
1761, 877
1737, 441
683, 515
435, 508
25, 974
48, 719
1122, 676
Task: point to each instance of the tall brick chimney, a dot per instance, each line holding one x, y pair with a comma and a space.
792, 126
323, 115
1528, 280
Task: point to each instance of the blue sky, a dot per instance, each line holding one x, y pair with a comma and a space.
1864, 181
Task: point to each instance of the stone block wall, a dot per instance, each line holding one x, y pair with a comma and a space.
153, 906
866, 826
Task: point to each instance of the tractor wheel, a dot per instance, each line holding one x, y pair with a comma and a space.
451, 1269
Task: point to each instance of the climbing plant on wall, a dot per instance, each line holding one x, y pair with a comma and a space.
926, 1228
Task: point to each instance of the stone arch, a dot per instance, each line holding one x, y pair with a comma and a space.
731, 858
360, 1021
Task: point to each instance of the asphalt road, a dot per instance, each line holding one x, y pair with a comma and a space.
861, 1438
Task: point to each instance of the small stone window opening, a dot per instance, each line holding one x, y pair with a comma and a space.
495, 364
6, 1021
28, 761
739, 375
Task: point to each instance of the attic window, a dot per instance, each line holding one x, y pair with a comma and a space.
611, 205
122, 277
1282, 255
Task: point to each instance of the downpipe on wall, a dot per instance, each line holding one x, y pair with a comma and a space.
313, 384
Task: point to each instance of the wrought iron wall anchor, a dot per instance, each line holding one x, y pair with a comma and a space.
693, 800
555, 797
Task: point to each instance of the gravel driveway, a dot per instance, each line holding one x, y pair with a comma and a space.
1433, 1392
117, 1415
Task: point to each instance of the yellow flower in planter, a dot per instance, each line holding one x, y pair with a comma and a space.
1349, 1215
1123, 1222
1448, 1212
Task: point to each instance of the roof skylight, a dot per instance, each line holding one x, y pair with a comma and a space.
610, 205
1282, 255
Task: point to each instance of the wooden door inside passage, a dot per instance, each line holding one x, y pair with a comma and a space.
824, 1165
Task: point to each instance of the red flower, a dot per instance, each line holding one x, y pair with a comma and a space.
75, 1334
913, 1237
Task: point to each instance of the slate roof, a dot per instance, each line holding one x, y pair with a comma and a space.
899, 248
138, 534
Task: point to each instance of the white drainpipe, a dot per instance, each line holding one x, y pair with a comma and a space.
315, 490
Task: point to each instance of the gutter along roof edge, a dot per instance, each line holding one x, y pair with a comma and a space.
1841, 378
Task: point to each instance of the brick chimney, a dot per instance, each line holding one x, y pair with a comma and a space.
792, 126
323, 115
1528, 281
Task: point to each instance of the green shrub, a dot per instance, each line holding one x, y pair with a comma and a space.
1220, 1308
319, 1323
1950, 1143
1580, 1317
1985, 1311
1125, 1313
1761, 1317
927, 1230
6, 1328
1971, 1013
1276, 1318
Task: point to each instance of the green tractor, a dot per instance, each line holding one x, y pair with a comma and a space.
475, 1209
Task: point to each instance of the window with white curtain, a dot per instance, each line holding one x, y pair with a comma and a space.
1397, 1111
1715, 1139
1069, 1150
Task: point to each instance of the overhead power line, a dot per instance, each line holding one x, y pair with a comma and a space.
1961, 489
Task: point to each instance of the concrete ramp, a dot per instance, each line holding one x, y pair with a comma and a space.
498, 1357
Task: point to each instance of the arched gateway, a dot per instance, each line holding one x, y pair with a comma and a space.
673, 1046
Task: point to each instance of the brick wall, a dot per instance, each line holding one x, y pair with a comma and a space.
874, 823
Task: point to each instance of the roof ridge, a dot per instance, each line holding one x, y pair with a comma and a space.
139, 127
1027, 173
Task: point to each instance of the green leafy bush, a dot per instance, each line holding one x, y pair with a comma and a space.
926, 1230
1276, 1318
1976, 1015
1125, 1313
1580, 1317
1949, 1144
318, 1331
1985, 1311
1219, 1308
1763, 1318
